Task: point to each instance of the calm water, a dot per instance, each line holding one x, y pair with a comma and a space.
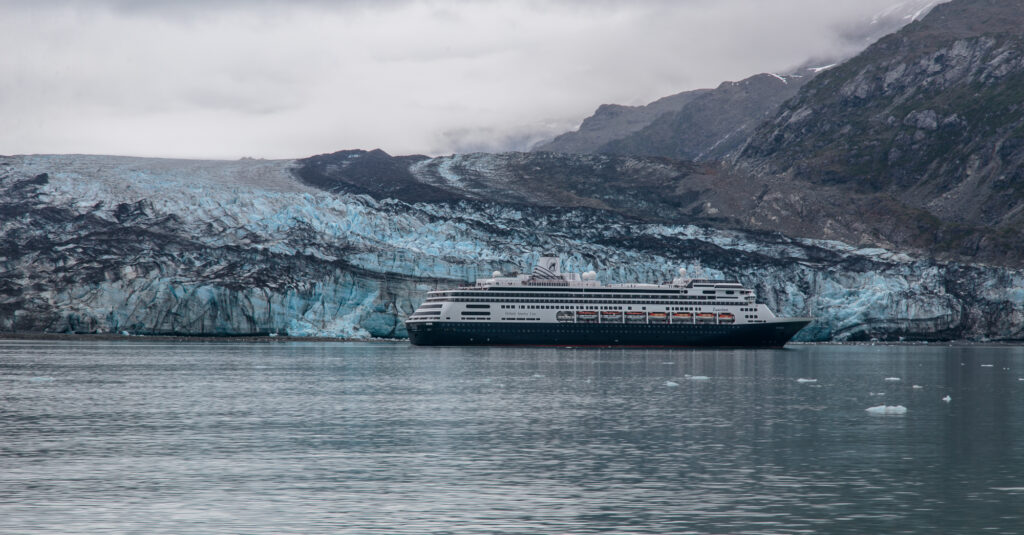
142, 437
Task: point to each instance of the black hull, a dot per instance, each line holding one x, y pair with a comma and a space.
453, 333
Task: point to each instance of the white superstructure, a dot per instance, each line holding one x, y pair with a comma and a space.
548, 296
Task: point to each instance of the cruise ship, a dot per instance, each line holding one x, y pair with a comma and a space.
551, 308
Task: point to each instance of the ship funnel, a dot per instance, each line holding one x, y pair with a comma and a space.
548, 267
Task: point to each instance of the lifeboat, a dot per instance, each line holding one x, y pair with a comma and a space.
726, 318
682, 317
658, 317
611, 316
705, 317
636, 317
586, 316
564, 316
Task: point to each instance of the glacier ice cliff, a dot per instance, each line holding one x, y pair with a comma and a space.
109, 244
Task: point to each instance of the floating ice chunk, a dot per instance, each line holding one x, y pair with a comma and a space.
893, 379
887, 410
802, 380
947, 399
986, 365
698, 377
917, 387
876, 393
671, 383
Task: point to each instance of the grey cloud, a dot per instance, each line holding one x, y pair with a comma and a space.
226, 78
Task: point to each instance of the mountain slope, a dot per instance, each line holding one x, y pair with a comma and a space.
714, 123
613, 121
931, 118
707, 124
695, 125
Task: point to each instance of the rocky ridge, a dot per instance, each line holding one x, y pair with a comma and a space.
708, 124
700, 125
929, 121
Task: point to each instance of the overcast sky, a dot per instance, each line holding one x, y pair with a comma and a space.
281, 79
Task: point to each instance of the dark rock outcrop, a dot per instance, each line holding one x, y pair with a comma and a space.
929, 121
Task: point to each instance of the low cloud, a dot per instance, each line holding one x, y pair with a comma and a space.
228, 78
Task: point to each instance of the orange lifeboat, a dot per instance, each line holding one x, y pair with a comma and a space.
636, 317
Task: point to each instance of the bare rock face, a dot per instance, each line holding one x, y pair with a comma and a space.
700, 125
713, 124
708, 124
931, 118
614, 121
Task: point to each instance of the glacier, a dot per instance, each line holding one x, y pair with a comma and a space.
103, 244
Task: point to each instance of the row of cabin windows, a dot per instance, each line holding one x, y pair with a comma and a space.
606, 327
608, 307
637, 293
497, 297
568, 308
721, 303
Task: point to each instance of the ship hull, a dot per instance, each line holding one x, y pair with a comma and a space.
451, 333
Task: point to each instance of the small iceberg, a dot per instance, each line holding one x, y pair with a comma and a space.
987, 365
893, 379
917, 387
698, 377
947, 399
671, 383
802, 380
887, 410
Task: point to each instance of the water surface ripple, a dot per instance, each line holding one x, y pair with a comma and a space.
147, 437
